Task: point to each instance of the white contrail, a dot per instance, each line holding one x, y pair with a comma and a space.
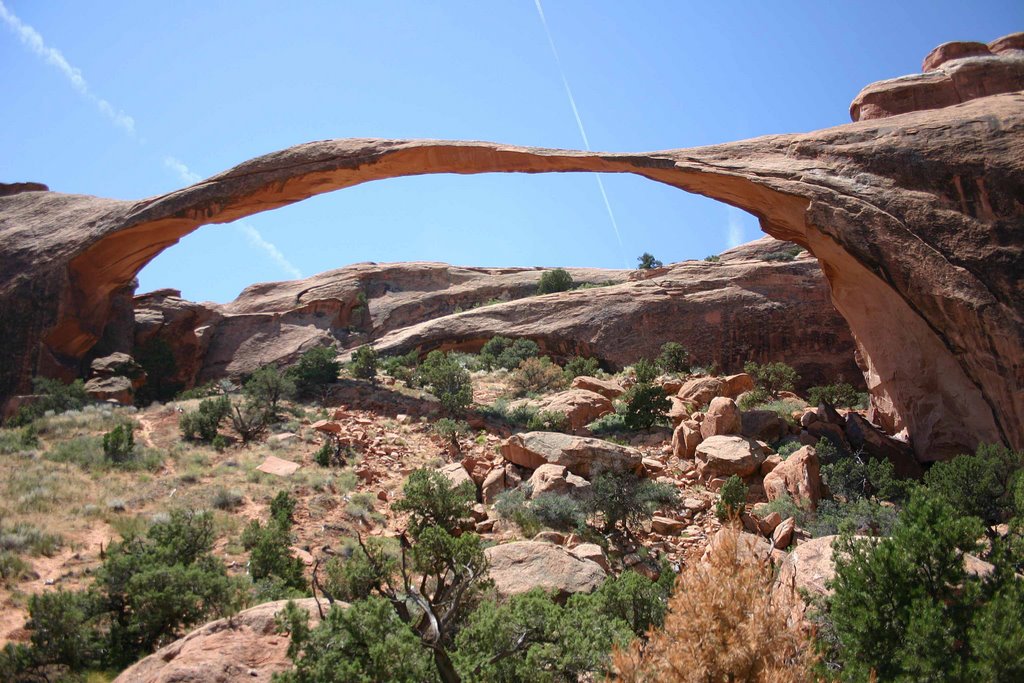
735, 230
34, 41
252, 235
579, 124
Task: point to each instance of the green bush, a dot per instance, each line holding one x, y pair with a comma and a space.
646, 370
431, 500
580, 366
267, 387
906, 608
789, 448
269, 546
731, 498
536, 376
854, 476
713, 258
447, 380
646, 261
119, 443
980, 485
402, 368
52, 395
317, 369
644, 405
249, 419
202, 424
674, 358
863, 516
557, 280
626, 499
364, 363
502, 352
513, 505
16, 440
559, 511
772, 377
548, 421
839, 395
223, 499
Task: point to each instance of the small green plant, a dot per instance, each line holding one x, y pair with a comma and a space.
557, 280
513, 505
119, 443
839, 395
548, 421
447, 380
627, 499
535, 376
52, 394
772, 377
223, 499
269, 547
731, 498
364, 363
580, 366
674, 358
202, 423
559, 511
317, 369
503, 352
646, 261
402, 368
267, 387
646, 371
644, 405
789, 448
713, 258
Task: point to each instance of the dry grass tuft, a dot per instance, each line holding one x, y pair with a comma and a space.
724, 624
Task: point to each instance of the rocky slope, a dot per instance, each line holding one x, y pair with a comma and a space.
740, 308
915, 218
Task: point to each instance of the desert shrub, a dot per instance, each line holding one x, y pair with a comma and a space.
646, 371
626, 499
202, 424
52, 395
612, 423
26, 538
362, 568
772, 377
789, 448
317, 369
119, 443
503, 352
267, 387
557, 280
401, 367
854, 476
16, 440
839, 395
754, 398
447, 380
863, 516
224, 499
581, 366
979, 485
644, 405
713, 258
450, 430
905, 607
269, 548
12, 568
724, 623
558, 511
547, 421
431, 500
731, 498
674, 357
513, 505
364, 363
535, 376
646, 261
786, 507
148, 591
249, 419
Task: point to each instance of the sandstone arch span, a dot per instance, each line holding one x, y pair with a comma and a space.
916, 220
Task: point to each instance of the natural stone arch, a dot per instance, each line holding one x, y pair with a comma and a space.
915, 219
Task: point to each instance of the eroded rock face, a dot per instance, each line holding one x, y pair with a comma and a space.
915, 219
582, 456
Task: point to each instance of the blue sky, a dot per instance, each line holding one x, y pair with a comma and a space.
129, 99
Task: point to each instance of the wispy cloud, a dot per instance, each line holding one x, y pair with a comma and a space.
253, 236
734, 234
183, 171
32, 39
582, 129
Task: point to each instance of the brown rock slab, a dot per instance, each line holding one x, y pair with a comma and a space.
580, 406
278, 466
722, 418
607, 388
723, 456
798, 476
685, 439
701, 390
580, 455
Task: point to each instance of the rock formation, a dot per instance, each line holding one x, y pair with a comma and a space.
916, 220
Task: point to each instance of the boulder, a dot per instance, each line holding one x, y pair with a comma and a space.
770, 463
798, 476
119, 364
580, 406
457, 474
735, 385
679, 411
497, 481
685, 439
580, 455
244, 648
555, 479
666, 526
722, 418
592, 552
700, 390
763, 425
116, 388
607, 388
723, 456
783, 534
864, 435
524, 565
808, 568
